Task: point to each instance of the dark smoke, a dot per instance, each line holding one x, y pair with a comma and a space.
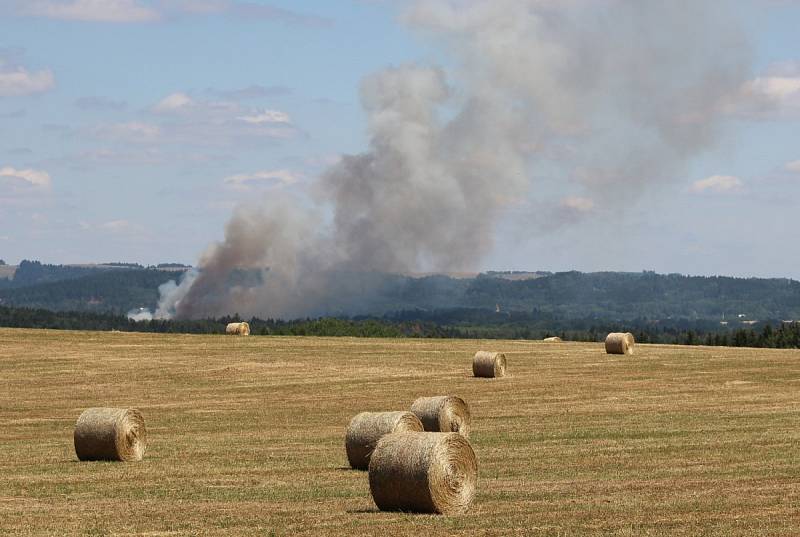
610, 95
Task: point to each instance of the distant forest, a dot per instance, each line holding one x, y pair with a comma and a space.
469, 324
87, 289
565, 296
573, 305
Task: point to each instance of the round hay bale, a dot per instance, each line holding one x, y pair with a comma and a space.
554, 339
366, 428
110, 434
423, 472
443, 414
238, 329
489, 364
619, 343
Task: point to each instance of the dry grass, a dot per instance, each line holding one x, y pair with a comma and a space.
246, 436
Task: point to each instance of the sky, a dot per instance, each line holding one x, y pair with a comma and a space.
131, 130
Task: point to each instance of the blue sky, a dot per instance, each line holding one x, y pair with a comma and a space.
131, 129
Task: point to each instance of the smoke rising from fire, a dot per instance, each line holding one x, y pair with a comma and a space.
609, 96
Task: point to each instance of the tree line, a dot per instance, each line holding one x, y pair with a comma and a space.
573, 295
774, 334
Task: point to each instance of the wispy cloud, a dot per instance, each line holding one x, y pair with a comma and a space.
186, 118
251, 10
266, 116
28, 176
195, 7
100, 103
17, 81
262, 179
132, 131
135, 153
718, 184
577, 204
116, 225
117, 11
793, 167
252, 92
141, 11
13, 114
173, 102
775, 94
118, 228
778, 88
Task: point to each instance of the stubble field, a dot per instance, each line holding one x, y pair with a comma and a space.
246, 436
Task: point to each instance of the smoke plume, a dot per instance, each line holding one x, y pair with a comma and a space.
606, 96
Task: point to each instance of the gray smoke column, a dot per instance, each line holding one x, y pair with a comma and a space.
608, 96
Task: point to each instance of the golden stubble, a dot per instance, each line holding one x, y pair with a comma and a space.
246, 436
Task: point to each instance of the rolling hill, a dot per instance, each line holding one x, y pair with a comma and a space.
562, 295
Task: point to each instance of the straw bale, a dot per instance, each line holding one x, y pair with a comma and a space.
489, 364
619, 343
110, 434
443, 414
366, 428
238, 329
423, 472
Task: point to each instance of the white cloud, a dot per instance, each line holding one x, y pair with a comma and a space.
91, 10
582, 205
264, 178
35, 178
196, 120
254, 91
173, 102
774, 95
115, 225
253, 10
18, 81
266, 116
793, 167
242, 10
778, 88
196, 7
119, 227
99, 103
136, 131
143, 11
717, 183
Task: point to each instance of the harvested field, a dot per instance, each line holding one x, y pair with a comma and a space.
246, 436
